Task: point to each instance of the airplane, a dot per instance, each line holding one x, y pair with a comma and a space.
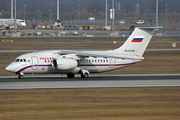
73, 62
10, 22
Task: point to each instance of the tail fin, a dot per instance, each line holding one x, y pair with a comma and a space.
137, 42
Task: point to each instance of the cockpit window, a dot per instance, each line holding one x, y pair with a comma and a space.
17, 60
20, 60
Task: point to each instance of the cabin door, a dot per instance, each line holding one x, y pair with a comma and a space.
112, 62
34, 63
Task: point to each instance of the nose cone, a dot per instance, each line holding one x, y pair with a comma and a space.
24, 24
10, 68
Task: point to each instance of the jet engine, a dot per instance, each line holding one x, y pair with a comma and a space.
64, 64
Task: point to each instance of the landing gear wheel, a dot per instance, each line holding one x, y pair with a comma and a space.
20, 76
70, 75
85, 75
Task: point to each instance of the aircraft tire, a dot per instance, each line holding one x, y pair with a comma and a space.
20, 76
85, 75
70, 75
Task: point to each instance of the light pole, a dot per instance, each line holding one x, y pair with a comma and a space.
1, 17
90, 12
15, 18
12, 7
79, 12
75, 17
166, 16
106, 13
24, 12
94, 20
113, 16
20, 13
50, 16
125, 17
157, 7
146, 18
165, 12
57, 9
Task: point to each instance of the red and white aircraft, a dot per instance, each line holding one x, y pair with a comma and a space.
72, 62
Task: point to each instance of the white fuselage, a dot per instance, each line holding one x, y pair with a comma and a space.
10, 22
41, 63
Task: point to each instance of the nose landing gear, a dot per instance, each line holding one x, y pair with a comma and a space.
21, 75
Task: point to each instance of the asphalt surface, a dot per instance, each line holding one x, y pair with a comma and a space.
94, 81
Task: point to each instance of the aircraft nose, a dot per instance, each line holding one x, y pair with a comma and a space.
24, 24
10, 68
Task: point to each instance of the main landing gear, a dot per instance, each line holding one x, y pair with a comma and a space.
84, 73
70, 75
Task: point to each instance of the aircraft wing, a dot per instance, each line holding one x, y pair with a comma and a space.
104, 54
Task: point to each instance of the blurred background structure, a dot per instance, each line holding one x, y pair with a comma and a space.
96, 13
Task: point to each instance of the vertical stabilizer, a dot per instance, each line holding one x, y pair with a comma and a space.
137, 42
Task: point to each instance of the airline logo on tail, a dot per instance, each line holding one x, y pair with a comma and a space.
138, 39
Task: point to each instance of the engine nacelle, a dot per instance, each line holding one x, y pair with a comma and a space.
64, 64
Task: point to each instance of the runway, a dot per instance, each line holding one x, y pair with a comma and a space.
94, 81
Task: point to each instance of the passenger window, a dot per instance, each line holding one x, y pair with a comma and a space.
24, 60
21, 60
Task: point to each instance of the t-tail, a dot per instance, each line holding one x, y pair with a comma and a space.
137, 42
